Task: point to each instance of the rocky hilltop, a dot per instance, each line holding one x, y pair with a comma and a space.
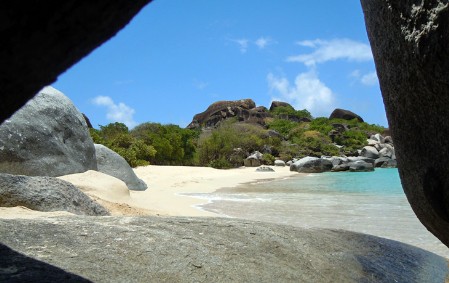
342, 140
243, 110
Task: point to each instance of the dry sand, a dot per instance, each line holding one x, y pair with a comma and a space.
166, 184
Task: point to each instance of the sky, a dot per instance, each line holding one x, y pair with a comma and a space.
177, 57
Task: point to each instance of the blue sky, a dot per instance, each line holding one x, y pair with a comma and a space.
177, 57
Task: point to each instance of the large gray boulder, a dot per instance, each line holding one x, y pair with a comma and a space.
254, 160
360, 166
369, 152
46, 194
344, 114
279, 163
311, 165
47, 137
410, 40
111, 163
158, 249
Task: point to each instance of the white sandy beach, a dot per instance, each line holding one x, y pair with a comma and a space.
166, 184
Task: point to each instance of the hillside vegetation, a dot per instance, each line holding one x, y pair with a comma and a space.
285, 133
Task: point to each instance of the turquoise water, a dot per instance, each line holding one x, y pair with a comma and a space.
380, 182
372, 203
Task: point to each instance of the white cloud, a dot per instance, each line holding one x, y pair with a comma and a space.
331, 50
370, 79
262, 42
307, 92
242, 43
355, 74
116, 112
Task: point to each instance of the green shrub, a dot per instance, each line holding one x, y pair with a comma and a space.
282, 126
220, 164
314, 143
268, 159
220, 144
174, 145
290, 111
116, 137
322, 125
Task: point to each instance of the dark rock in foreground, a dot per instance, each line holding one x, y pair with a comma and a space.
40, 40
149, 249
410, 40
111, 163
47, 137
46, 194
344, 114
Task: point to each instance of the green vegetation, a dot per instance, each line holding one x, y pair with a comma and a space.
173, 145
117, 137
284, 111
227, 145
230, 143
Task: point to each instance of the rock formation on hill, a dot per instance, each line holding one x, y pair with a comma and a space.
157, 249
344, 114
276, 104
410, 42
42, 39
47, 137
243, 110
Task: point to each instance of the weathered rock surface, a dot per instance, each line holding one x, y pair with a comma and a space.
244, 110
279, 163
369, 152
340, 167
409, 40
111, 163
155, 249
88, 123
311, 165
264, 169
47, 137
392, 163
46, 194
344, 114
40, 40
276, 104
253, 160
360, 166
380, 161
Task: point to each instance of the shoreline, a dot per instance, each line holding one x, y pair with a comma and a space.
183, 190
169, 193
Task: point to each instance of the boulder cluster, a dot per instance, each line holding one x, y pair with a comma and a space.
48, 138
378, 153
244, 110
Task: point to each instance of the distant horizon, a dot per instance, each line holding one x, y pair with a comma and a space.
176, 58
